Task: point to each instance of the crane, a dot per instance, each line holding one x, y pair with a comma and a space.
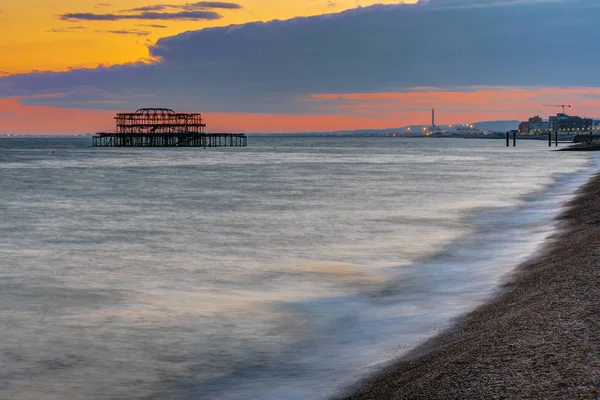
558, 105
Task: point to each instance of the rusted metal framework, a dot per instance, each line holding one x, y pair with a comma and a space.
170, 140
163, 127
159, 120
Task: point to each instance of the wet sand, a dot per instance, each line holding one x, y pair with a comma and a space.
594, 146
538, 339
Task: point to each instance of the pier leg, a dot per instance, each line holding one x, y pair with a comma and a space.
507, 139
549, 139
556, 139
514, 139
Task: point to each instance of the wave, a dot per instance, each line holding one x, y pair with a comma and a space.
344, 338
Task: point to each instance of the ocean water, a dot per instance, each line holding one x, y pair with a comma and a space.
285, 270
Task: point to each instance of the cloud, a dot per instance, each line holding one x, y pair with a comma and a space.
183, 15
152, 26
279, 66
216, 4
156, 7
477, 3
202, 10
136, 32
202, 5
127, 32
68, 29
491, 100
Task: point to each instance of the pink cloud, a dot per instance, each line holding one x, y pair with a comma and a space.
45, 120
472, 104
17, 118
335, 111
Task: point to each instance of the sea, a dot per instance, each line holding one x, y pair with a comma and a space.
289, 269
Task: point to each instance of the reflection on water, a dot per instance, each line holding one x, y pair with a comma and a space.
283, 270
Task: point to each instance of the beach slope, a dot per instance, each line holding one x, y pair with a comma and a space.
538, 339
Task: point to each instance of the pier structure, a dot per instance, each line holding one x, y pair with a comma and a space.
163, 127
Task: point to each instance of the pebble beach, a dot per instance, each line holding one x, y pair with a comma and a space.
538, 339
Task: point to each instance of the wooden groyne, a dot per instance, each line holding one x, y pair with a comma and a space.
163, 127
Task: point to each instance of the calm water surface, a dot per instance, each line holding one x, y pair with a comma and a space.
284, 270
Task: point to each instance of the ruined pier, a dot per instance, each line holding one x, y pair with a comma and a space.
163, 127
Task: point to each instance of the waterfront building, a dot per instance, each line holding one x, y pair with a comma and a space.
538, 126
534, 126
524, 128
572, 124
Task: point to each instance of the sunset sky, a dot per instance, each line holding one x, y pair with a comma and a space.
287, 66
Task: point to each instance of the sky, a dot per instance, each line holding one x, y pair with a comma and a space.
67, 67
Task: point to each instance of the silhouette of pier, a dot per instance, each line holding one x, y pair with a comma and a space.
163, 127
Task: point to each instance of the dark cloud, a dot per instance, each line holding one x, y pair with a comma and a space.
128, 32
182, 15
152, 26
215, 4
136, 32
156, 7
274, 66
474, 3
198, 6
68, 29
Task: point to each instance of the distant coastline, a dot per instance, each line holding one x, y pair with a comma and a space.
498, 135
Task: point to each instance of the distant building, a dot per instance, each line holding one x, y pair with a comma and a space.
538, 126
563, 123
535, 120
524, 128
534, 126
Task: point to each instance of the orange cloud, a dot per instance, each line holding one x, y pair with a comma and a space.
269, 123
37, 39
474, 104
16, 118
337, 111
44, 120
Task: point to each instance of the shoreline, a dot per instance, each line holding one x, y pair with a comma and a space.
538, 338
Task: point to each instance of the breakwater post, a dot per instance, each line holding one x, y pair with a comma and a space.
556, 139
549, 139
514, 137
